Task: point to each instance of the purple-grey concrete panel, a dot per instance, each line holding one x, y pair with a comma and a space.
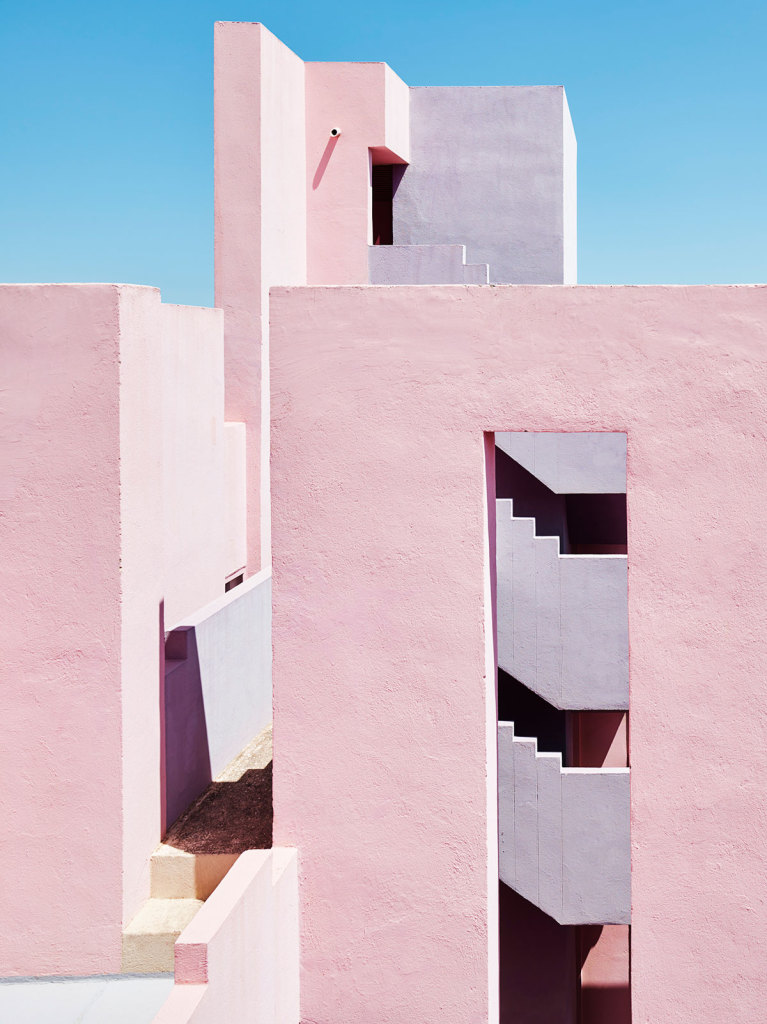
564, 833
423, 264
218, 688
596, 843
562, 619
570, 463
100, 999
494, 168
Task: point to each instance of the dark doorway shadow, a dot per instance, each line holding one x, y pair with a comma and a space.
187, 769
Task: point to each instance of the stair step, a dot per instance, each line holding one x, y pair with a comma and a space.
178, 874
148, 940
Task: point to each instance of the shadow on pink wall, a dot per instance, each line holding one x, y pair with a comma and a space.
324, 161
186, 762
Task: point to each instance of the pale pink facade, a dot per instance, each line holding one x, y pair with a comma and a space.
162, 462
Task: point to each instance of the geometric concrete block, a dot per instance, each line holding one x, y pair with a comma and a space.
218, 687
596, 839
593, 592
562, 619
570, 463
564, 833
550, 851
506, 834
507, 188
148, 941
526, 818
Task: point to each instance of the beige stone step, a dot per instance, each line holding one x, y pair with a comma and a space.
149, 938
177, 874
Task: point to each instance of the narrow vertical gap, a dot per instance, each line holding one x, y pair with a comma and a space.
383, 196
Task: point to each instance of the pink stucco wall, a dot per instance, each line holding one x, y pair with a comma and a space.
175, 537
380, 692
113, 504
369, 105
60, 641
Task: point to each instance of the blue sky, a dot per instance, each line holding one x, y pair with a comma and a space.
107, 127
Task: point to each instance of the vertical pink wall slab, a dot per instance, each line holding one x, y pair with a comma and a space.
114, 504
143, 445
60, 641
175, 507
369, 105
194, 459
260, 229
380, 687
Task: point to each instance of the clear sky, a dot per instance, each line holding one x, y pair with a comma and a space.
107, 129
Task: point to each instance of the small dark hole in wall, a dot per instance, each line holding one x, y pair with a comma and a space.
235, 581
383, 196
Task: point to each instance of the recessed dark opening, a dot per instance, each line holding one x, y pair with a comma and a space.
235, 581
531, 714
383, 195
584, 523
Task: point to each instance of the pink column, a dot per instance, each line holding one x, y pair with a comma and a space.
60, 759
260, 229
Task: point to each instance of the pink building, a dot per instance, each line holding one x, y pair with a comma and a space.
471, 549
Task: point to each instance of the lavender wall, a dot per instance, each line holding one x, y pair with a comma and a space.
493, 168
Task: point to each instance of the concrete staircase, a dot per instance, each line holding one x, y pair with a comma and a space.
149, 939
424, 264
197, 853
562, 619
564, 833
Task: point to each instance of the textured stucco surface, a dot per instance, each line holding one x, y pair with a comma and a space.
60, 641
379, 672
493, 168
369, 105
174, 530
260, 229
240, 953
112, 501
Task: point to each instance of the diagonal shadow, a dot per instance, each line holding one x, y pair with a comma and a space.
324, 161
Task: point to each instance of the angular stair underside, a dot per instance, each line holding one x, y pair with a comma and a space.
564, 833
562, 619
